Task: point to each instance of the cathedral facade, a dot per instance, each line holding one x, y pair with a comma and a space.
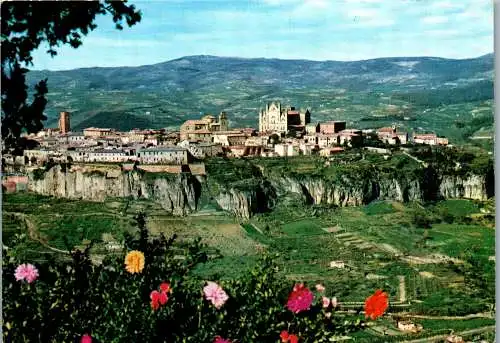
275, 118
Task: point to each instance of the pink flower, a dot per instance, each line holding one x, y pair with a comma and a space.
26, 272
214, 293
320, 288
326, 302
334, 302
300, 299
86, 339
219, 339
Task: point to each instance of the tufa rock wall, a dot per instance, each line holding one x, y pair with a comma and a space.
181, 193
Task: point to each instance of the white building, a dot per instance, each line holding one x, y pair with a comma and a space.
286, 149
167, 155
108, 156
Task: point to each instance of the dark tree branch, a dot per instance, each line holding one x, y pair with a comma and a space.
25, 26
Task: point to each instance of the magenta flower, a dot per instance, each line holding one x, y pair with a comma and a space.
86, 339
214, 293
300, 299
26, 272
219, 339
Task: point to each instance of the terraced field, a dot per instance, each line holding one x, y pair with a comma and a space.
350, 250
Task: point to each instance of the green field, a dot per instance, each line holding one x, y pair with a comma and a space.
377, 244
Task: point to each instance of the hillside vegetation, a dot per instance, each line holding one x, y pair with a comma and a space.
451, 97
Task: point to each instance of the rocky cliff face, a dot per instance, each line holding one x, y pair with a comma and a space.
177, 194
245, 202
348, 192
180, 194
472, 187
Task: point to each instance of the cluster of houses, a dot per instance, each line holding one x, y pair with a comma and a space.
285, 131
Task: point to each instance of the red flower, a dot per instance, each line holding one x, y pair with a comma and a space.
163, 298
165, 287
155, 300
300, 299
160, 298
86, 339
286, 337
376, 304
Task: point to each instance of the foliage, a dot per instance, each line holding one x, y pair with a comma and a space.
39, 174
25, 26
479, 274
112, 305
431, 98
449, 302
421, 219
379, 207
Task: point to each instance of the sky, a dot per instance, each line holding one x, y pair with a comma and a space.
342, 30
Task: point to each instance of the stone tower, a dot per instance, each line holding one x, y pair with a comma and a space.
224, 125
305, 117
64, 125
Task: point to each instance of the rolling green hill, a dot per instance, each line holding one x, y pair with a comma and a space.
421, 93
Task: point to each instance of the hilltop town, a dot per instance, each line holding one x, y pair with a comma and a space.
283, 131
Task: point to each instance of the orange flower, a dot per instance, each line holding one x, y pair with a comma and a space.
134, 262
376, 304
286, 337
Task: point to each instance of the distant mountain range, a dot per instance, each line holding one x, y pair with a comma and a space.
383, 90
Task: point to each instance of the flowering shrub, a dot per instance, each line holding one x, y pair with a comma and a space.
154, 297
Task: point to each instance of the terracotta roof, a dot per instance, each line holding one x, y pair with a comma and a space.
96, 129
293, 113
386, 129
199, 131
425, 136
334, 149
194, 122
229, 133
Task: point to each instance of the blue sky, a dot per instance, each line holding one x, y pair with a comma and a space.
343, 30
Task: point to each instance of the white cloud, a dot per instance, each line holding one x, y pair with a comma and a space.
362, 13
442, 33
280, 2
475, 13
312, 9
437, 19
447, 4
358, 2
